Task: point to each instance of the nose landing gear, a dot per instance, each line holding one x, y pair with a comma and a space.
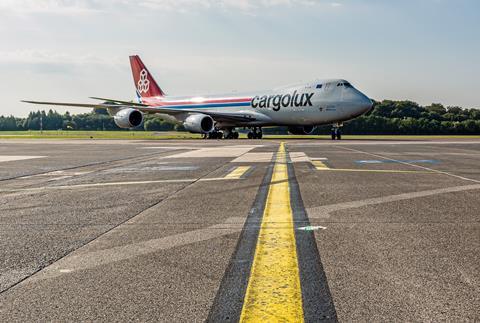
336, 131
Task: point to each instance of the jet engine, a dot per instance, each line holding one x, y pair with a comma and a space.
199, 123
128, 118
302, 130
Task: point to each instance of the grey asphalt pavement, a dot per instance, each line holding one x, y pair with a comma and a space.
148, 230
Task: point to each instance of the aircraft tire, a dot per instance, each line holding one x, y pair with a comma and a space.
235, 135
250, 135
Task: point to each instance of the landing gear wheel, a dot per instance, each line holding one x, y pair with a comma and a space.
336, 134
250, 135
215, 135
259, 135
235, 135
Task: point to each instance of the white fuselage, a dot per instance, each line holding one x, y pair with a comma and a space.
315, 103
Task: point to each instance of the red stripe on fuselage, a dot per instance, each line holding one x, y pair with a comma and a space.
154, 101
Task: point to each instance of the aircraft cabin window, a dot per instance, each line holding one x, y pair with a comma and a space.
319, 86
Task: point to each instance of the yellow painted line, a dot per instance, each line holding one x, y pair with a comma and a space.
237, 172
375, 170
319, 165
274, 292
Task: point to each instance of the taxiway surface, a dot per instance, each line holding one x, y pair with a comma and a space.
183, 230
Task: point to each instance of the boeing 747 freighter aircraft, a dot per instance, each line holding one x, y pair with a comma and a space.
301, 107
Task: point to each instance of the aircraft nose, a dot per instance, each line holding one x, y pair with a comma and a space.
365, 104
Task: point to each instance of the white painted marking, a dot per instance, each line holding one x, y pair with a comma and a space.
65, 271
60, 173
325, 210
413, 165
217, 152
386, 142
58, 178
170, 147
312, 228
88, 256
141, 168
71, 187
298, 157
13, 158
264, 157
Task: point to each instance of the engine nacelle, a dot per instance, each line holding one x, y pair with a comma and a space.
199, 123
128, 118
302, 130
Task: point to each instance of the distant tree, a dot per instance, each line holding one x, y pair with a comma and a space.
8, 123
436, 108
158, 124
387, 117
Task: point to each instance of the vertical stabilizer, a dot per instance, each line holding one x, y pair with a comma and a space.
144, 82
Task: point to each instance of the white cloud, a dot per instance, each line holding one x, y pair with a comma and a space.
43, 56
48, 62
67, 7
46, 6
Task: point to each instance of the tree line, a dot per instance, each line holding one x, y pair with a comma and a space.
386, 118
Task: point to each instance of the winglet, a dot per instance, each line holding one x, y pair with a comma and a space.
144, 82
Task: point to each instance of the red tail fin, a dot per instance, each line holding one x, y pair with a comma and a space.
144, 82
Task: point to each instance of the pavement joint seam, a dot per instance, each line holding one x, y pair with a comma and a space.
413, 165
113, 228
141, 158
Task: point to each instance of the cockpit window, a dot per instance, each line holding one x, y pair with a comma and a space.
319, 86
346, 84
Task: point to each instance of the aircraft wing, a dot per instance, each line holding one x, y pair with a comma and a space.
120, 102
218, 116
79, 105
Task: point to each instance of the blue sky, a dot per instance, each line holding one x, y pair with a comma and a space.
67, 50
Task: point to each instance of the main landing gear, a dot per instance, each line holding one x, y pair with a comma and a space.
230, 133
336, 132
217, 134
254, 134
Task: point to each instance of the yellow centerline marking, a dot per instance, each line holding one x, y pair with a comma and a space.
274, 291
237, 172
